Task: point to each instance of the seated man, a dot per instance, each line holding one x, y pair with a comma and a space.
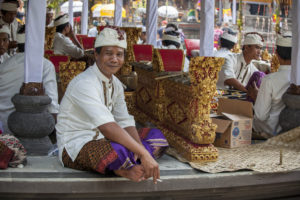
269, 104
143, 37
64, 38
171, 40
94, 130
227, 42
4, 42
12, 78
238, 68
8, 18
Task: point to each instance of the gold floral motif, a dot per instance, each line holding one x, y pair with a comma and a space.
49, 37
130, 98
67, 71
191, 152
266, 56
274, 63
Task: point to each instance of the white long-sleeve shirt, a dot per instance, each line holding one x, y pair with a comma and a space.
269, 102
11, 80
4, 57
64, 46
91, 100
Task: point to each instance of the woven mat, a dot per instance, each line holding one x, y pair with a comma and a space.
263, 157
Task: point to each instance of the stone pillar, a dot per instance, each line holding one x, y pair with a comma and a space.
71, 12
84, 17
151, 21
118, 12
207, 28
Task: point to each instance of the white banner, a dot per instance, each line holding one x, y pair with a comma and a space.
71, 12
84, 17
151, 21
34, 43
295, 76
118, 12
207, 28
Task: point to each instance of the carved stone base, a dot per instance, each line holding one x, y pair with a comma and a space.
289, 117
294, 89
31, 120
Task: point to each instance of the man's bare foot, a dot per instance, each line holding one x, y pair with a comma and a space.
136, 173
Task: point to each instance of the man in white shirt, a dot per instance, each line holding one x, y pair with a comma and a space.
171, 40
49, 17
94, 130
12, 78
93, 32
4, 42
65, 41
269, 104
227, 42
8, 18
238, 68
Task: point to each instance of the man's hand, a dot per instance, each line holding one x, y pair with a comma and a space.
12, 44
150, 166
252, 91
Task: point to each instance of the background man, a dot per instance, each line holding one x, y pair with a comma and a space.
238, 68
269, 104
4, 42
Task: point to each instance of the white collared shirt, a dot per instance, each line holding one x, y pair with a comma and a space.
11, 80
4, 57
235, 67
13, 27
64, 46
269, 102
90, 101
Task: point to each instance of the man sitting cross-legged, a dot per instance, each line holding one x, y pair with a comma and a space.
94, 130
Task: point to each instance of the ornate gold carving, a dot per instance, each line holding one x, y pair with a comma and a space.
274, 63
68, 71
49, 37
266, 56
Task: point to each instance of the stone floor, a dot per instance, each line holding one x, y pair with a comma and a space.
44, 178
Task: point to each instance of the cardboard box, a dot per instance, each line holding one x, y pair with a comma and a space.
234, 122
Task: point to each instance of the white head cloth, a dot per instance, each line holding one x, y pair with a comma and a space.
50, 10
284, 40
111, 37
62, 20
229, 37
21, 38
9, 7
5, 29
253, 39
171, 38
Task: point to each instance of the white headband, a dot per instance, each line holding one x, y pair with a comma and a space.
284, 41
50, 11
111, 37
62, 20
253, 39
229, 37
5, 29
21, 38
172, 38
9, 7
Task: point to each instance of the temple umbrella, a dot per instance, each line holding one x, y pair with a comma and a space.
167, 12
106, 10
95, 6
77, 7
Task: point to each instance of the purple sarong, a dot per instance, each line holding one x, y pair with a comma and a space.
152, 139
257, 77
